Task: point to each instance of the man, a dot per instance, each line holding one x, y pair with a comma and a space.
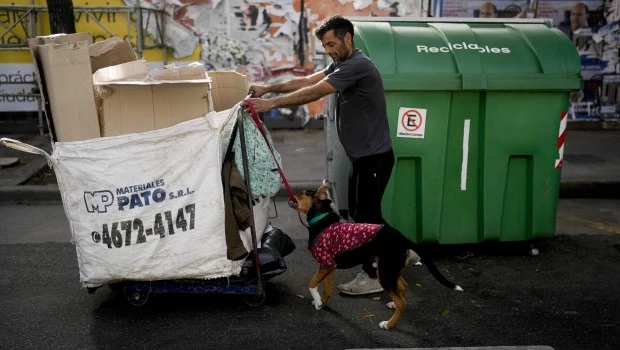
362, 125
581, 34
579, 17
488, 10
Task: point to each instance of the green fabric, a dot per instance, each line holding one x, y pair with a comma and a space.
265, 179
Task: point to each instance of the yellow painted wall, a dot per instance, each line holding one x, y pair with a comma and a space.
116, 22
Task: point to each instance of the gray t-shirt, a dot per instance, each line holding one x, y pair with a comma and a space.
362, 123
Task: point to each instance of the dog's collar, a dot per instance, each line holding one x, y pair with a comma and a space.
315, 219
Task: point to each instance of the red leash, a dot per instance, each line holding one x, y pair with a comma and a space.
292, 202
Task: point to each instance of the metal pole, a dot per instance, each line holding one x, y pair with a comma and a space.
300, 31
163, 31
139, 38
33, 33
33, 20
62, 18
42, 125
129, 34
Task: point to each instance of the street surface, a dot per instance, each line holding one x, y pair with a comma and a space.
565, 298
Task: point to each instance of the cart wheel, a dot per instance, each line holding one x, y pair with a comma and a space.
254, 300
533, 250
137, 298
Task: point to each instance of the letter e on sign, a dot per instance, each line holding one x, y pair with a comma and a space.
411, 122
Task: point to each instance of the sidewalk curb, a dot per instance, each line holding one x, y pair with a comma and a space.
572, 189
29, 193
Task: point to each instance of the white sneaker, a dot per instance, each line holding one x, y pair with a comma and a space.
412, 258
361, 284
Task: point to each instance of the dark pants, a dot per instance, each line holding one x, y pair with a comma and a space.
367, 181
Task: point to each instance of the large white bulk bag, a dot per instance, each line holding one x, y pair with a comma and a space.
145, 206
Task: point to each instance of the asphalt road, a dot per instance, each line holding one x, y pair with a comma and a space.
565, 298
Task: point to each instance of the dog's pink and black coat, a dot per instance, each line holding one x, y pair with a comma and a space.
340, 237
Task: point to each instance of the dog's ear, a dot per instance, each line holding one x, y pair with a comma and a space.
321, 193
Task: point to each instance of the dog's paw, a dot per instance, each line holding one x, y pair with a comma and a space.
384, 325
391, 305
317, 305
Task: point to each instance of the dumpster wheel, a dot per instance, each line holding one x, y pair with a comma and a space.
534, 250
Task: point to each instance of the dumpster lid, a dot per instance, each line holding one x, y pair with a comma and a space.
546, 21
469, 54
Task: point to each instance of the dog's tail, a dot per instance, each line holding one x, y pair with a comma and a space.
432, 268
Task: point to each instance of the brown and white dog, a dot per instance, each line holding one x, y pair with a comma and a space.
340, 245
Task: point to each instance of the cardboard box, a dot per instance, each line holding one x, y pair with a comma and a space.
229, 88
129, 106
62, 65
110, 52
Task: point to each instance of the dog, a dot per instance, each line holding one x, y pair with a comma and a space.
341, 245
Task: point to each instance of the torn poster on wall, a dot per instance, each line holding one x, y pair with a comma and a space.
261, 38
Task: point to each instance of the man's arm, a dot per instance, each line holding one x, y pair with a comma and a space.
288, 86
299, 97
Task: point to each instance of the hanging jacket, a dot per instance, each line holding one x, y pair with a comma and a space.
238, 215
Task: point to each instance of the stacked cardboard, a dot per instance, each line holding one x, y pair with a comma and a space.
102, 89
131, 100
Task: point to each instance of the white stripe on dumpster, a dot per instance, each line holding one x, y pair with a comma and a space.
465, 155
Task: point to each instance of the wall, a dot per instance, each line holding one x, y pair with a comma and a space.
267, 40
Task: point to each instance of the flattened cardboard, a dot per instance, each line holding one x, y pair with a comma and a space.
33, 44
110, 52
229, 88
63, 67
38, 71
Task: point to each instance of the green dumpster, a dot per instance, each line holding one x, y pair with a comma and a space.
475, 110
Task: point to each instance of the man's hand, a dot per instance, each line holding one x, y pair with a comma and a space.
259, 90
260, 105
